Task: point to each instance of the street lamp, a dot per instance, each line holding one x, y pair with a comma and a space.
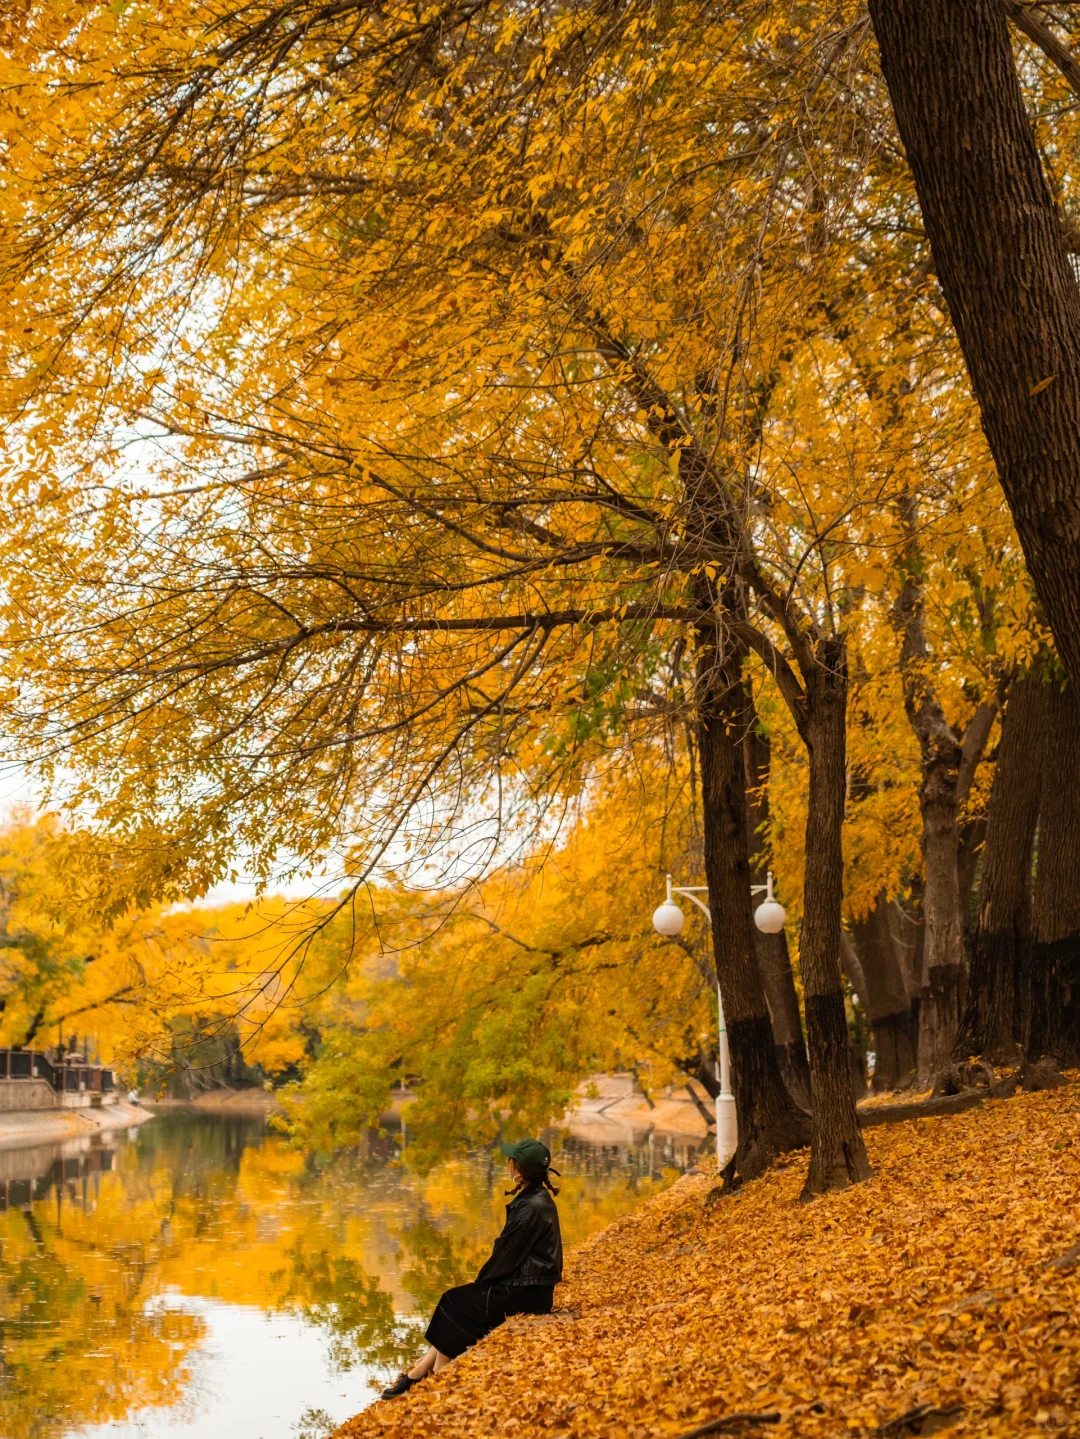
668, 920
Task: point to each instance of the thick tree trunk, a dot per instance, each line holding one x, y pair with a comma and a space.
1002, 264
992, 1027
838, 1154
1054, 1026
892, 1023
770, 1123
773, 959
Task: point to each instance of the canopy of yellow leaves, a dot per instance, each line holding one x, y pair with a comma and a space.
145, 984
492, 1000
933, 1283
404, 296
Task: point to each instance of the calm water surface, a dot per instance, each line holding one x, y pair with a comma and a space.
197, 1279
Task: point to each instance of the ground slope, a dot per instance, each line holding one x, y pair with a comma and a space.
946, 1280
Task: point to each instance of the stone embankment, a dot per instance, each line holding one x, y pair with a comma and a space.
49, 1098
23, 1128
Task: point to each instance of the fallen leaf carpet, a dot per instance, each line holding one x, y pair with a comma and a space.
941, 1293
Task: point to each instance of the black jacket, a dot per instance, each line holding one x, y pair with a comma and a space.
529, 1249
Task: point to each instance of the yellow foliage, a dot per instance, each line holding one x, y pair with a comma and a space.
493, 1000
431, 348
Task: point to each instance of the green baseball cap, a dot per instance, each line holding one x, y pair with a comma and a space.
530, 1156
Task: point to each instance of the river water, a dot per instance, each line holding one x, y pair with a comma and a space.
196, 1278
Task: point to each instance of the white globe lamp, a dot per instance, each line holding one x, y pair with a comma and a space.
668, 919
770, 915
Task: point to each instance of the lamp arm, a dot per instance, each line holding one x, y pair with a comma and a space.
690, 891
765, 888
689, 894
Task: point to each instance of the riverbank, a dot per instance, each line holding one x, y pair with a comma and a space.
608, 1109
611, 1109
27, 1128
246, 1102
948, 1284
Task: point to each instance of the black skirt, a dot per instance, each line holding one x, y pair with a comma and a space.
464, 1315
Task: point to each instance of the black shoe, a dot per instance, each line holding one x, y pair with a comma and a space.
401, 1385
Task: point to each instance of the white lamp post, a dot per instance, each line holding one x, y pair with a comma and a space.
668, 920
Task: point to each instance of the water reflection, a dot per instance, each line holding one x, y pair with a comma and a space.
200, 1278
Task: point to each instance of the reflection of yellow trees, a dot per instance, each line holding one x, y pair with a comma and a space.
209, 1208
79, 1343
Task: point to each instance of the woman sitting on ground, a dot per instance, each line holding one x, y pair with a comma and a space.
519, 1278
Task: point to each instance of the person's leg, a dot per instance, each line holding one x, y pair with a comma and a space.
432, 1362
425, 1365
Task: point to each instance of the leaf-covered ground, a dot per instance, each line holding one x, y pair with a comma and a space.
935, 1283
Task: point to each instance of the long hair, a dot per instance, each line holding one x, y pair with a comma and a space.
546, 1181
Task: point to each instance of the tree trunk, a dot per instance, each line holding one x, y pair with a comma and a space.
770, 1123
702, 1067
972, 845
992, 1028
973, 828
771, 950
941, 993
907, 930
889, 1005
1002, 264
948, 768
838, 1154
852, 970
1054, 1026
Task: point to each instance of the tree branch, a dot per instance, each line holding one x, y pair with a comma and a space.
972, 746
488, 624
1028, 20
787, 681
115, 998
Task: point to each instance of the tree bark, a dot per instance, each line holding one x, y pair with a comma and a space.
941, 992
992, 1026
838, 1154
972, 843
948, 768
769, 1121
1002, 265
907, 930
852, 970
1054, 1025
773, 959
889, 1005
973, 829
